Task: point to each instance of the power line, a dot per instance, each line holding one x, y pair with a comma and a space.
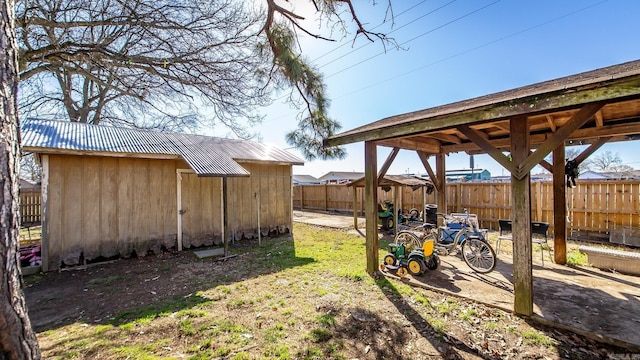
397, 29
469, 50
419, 36
375, 27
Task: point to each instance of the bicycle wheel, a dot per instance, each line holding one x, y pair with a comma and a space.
409, 240
478, 255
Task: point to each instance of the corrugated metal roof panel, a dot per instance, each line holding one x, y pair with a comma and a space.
207, 156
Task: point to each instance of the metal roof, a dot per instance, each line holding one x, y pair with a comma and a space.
207, 156
399, 180
614, 84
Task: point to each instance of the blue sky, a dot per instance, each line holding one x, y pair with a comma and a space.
456, 50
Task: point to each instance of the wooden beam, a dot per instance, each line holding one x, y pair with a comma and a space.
355, 207
485, 145
552, 123
521, 212
442, 179
504, 125
387, 163
536, 139
545, 164
371, 212
44, 213
225, 215
559, 207
591, 149
599, 119
412, 144
425, 162
577, 120
425, 120
445, 137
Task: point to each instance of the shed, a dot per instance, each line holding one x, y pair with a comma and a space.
112, 192
529, 122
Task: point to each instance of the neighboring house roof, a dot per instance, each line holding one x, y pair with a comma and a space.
592, 175
207, 156
341, 175
305, 179
620, 175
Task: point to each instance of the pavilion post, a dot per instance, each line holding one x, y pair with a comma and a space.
559, 207
371, 205
442, 191
355, 207
521, 210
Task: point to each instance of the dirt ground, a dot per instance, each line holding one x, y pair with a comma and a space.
96, 294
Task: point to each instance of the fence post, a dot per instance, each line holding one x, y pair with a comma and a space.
325, 197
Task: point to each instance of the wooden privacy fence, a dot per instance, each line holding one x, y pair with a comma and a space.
30, 201
593, 206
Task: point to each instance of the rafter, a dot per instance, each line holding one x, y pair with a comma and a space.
552, 123
387, 163
432, 146
485, 145
424, 158
577, 120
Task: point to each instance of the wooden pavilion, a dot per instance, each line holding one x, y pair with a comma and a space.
529, 123
395, 182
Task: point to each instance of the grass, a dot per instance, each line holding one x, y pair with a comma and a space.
283, 300
577, 258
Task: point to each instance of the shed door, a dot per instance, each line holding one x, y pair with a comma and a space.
201, 210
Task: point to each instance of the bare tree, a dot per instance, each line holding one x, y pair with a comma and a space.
29, 168
142, 63
153, 63
17, 339
112, 60
609, 161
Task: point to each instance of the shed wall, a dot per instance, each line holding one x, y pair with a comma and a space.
270, 187
107, 207
103, 207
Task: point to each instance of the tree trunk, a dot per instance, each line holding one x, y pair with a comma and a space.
17, 339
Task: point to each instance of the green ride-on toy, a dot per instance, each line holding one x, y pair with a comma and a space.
415, 262
385, 215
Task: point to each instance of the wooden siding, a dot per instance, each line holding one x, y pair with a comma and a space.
268, 185
593, 206
101, 207
104, 207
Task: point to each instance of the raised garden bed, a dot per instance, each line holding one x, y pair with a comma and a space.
625, 262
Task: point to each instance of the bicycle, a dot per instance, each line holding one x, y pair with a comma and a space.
460, 233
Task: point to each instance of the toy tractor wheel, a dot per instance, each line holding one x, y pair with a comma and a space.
414, 213
416, 266
434, 262
387, 223
402, 272
390, 260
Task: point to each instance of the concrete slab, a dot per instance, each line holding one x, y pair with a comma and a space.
336, 221
201, 254
591, 302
